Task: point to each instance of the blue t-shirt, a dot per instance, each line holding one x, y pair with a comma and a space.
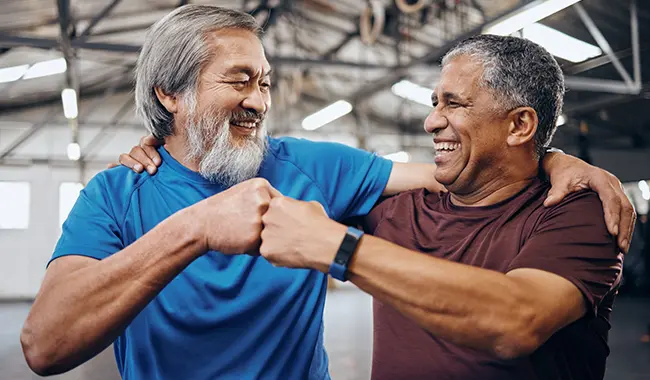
224, 317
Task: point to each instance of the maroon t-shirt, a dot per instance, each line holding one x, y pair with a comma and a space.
570, 240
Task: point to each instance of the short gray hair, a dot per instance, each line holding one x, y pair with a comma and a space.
174, 53
521, 74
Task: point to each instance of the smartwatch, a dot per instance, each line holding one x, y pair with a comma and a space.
339, 267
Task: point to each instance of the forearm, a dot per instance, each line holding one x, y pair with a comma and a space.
76, 316
406, 177
469, 306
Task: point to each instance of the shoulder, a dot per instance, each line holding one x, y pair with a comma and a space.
114, 187
298, 150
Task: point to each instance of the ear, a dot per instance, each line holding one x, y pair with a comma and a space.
168, 101
523, 125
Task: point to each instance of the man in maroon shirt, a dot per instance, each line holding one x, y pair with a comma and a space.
484, 282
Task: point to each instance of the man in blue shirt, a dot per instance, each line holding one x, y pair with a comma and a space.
154, 263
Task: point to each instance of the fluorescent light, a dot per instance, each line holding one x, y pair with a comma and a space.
69, 98
645, 190
74, 151
11, 74
530, 14
561, 120
398, 157
327, 115
414, 92
560, 44
45, 68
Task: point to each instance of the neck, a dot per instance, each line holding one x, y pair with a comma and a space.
503, 184
177, 147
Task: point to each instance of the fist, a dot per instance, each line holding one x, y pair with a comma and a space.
232, 220
299, 234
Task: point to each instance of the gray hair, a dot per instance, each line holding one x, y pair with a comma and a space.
175, 51
521, 74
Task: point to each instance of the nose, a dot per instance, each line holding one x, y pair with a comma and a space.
435, 122
256, 101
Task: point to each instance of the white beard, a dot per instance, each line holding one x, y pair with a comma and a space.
224, 158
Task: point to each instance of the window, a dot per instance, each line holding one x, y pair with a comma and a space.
68, 194
14, 205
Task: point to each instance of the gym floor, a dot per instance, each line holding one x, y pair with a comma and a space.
348, 334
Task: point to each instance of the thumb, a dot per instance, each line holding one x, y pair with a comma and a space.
554, 197
274, 192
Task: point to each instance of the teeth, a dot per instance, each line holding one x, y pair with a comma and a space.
245, 124
446, 146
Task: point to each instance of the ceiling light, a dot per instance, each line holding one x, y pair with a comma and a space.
645, 190
560, 44
398, 157
326, 115
11, 74
528, 15
69, 98
74, 151
414, 92
45, 68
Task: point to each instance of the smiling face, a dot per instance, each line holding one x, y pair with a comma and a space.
470, 132
224, 121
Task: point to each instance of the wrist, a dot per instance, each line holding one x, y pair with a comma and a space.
189, 222
325, 245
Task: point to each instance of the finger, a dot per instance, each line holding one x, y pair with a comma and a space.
149, 143
557, 193
129, 162
612, 207
152, 153
138, 154
150, 140
626, 227
112, 165
274, 192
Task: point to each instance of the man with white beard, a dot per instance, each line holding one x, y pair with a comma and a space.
153, 264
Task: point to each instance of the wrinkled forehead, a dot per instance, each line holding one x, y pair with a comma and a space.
238, 48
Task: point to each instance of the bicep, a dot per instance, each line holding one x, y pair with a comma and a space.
558, 301
64, 266
406, 177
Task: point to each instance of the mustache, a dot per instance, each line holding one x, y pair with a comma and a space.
248, 115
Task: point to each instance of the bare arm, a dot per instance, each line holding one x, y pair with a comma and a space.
406, 177
507, 315
85, 304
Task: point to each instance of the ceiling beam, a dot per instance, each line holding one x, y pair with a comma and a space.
8, 41
395, 74
101, 15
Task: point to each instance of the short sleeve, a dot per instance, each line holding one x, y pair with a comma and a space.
91, 228
352, 180
572, 241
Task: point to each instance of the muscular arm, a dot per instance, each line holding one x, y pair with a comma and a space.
85, 304
507, 315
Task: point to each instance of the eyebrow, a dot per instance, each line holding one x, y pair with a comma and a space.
246, 70
447, 95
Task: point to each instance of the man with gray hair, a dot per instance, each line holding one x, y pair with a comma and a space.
154, 264
483, 282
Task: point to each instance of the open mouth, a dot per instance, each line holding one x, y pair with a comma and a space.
248, 128
445, 148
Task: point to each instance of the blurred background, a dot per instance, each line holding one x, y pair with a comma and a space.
352, 71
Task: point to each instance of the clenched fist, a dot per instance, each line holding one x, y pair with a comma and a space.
231, 221
299, 234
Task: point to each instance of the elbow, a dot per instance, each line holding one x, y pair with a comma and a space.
519, 338
39, 357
